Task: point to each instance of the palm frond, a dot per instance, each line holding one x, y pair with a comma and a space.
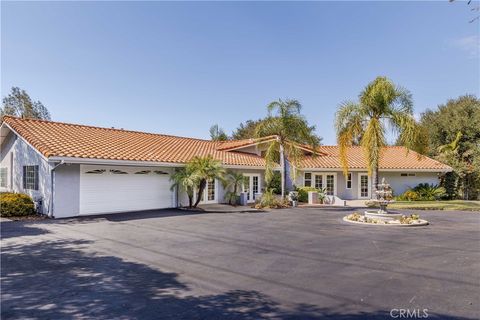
271, 159
373, 142
349, 125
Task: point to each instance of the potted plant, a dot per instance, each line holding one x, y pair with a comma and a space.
322, 194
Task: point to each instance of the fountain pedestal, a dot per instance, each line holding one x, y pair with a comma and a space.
384, 198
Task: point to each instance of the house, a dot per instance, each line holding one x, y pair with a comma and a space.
73, 170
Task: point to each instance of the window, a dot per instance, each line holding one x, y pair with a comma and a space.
3, 177
30, 177
160, 172
364, 186
403, 174
96, 171
211, 190
143, 172
349, 181
115, 171
307, 179
254, 185
411, 174
330, 184
318, 182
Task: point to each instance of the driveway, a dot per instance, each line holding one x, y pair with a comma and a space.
283, 264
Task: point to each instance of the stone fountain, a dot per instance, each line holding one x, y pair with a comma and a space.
382, 217
384, 196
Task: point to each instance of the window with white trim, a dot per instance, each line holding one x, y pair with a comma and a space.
307, 179
3, 177
30, 177
330, 184
318, 182
349, 181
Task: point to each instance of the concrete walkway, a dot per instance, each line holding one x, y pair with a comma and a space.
224, 208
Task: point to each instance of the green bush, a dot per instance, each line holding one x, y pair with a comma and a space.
275, 183
270, 200
429, 192
303, 193
423, 192
15, 204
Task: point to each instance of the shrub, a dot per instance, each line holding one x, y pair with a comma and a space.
303, 193
15, 204
427, 191
270, 200
423, 192
408, 195
275, 183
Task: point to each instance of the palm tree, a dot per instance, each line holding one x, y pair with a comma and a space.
184, 180
381, 104
291, 130
233, 180
204, 169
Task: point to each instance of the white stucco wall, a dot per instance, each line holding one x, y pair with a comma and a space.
398, 182
66, 191
16, 153
401, 184
220, 198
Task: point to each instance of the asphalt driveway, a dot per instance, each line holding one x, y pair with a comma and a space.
285, 264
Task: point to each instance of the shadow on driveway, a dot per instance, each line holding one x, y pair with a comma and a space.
60, 279
12, 229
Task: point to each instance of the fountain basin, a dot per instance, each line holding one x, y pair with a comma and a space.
385, 216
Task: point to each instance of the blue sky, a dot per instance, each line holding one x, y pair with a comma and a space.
179, 67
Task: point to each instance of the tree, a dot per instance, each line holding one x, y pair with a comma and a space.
184, 180
233, 180
246, 130
204, 169
380, 104
475, 8
19, 104
454, 134
217, 133
291, 130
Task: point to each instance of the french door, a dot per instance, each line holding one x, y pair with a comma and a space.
327, 181
363, 186
251, 186
209, 195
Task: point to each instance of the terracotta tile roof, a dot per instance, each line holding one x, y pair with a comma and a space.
234, 144
394, 157
56, 139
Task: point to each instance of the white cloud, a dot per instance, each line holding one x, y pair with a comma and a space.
468, 44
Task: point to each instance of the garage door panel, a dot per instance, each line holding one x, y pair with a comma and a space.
110, 192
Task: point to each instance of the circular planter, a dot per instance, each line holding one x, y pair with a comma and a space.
420, 223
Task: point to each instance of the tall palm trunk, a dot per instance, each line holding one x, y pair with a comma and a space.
282, 168
190, 198
201, 188
374, 181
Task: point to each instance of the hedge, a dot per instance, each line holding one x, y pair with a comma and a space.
16, 204
303, 193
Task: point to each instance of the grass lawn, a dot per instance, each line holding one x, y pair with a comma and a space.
437, 205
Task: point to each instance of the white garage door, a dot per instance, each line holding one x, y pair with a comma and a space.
105, 189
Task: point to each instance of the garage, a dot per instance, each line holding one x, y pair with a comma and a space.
108, 189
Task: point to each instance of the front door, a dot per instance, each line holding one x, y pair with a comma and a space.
251, 186
363, 186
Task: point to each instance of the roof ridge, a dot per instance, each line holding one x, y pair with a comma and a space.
105, 128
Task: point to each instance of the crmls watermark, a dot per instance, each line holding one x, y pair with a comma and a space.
409, 313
